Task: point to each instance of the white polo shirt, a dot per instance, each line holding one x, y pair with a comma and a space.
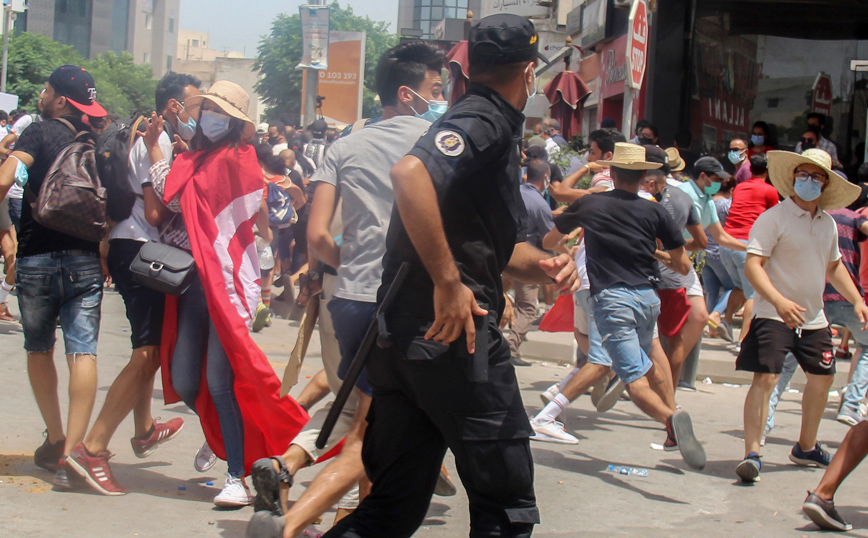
799, 249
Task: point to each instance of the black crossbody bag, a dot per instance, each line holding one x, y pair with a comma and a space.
164, 268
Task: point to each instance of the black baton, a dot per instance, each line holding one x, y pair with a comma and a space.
377, 332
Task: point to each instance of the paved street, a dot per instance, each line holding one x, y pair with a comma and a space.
577, 497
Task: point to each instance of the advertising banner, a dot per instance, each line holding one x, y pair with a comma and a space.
342, 83
314, 37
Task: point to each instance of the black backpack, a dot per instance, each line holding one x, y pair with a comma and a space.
113, 165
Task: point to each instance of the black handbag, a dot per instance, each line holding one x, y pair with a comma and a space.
163, 268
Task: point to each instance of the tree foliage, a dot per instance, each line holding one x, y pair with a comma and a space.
280, 52
122, 86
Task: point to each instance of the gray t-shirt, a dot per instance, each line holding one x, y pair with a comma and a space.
358, 166
680, 206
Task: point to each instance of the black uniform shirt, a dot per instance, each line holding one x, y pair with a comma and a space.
472, 155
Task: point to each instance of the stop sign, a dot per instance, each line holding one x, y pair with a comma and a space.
822, 101
637, 43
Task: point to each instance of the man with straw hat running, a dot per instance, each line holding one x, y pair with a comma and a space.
621, 234
793, 248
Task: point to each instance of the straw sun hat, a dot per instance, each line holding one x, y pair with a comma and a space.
675, 161
231, 98
629, 157
839, 193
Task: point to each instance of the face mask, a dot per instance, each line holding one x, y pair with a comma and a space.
807, 190
435, 108
712, 189
808, 145
757, 140
187, 130
214, 125
531, 93
645, 141
21, 175
734, 156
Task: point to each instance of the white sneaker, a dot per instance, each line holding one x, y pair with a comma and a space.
235, 494
205, 458
549, 394
551, 432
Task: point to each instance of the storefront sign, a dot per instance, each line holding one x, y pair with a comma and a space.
314, 37
341, 84
637, 43
594, 22
725, 113
574, 21
523, 8
822, 100
613, 58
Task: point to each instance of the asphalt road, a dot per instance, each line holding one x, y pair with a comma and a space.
577, 496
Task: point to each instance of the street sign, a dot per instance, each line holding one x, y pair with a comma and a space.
637, 44
822, 101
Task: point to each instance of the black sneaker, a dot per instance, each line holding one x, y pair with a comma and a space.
47, 455
823, 513
814, 457
681, 426
749, 468
265, 524
267, 480
65, 479
518, 361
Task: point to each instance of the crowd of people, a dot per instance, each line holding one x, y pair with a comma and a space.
656, 248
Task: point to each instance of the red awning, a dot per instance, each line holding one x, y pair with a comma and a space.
457, 63
566, 92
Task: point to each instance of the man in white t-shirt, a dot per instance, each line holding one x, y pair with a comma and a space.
793, 248
132, 389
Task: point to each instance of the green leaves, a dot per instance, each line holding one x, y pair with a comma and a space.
280, 52
122, 86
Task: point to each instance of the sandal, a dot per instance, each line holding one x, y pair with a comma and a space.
268, 481
303, 290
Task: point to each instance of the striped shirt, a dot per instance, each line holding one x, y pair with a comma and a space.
848, 223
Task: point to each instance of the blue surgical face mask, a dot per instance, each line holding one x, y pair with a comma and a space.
734, 156
435, 108
21, 175
757, 140
531, 93
807, 190
186, 130
712, 189
214, 125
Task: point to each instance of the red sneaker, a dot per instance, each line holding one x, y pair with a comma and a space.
159, 434
95, 470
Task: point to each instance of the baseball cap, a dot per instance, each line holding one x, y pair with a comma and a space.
79, 88
503, 39
262, 129
710, 166
318, 127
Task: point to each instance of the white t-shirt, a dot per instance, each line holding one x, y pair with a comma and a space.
799, 249
277, 148
136, 227
18, 127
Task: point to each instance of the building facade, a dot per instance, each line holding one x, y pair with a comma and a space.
425, 15
147, 29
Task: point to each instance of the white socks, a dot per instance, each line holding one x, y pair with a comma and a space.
4, 291
563, 382
553, 409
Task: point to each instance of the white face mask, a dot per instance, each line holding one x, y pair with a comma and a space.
531, 93
214, 125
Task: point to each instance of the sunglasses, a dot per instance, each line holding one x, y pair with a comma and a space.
806, 140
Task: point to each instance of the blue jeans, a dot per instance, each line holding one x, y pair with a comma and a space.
733, 261
626, 318
596, 352
351, 320
716, 281
838, 313
198, 338
68, 284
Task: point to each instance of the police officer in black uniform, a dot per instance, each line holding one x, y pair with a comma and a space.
447, 380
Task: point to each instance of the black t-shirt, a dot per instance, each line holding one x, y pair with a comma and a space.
44, 141
621, 230
472, 154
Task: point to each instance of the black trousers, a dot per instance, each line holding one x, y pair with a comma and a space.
424, 402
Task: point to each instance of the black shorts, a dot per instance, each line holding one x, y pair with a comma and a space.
144, 306
768, 341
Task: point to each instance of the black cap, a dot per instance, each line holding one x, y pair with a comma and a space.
710, 166
503, 39
656, 154
77, 85
318, 127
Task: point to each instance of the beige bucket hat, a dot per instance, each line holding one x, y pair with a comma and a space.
231, 98
838, 193
629, 157
676, 163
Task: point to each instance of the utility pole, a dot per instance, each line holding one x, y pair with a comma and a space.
311, 86
7, 23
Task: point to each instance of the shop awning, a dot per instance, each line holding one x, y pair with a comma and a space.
457, 63
801, 19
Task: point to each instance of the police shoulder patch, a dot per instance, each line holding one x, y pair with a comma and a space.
449, 143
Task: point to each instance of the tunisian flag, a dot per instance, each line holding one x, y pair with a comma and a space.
219, 215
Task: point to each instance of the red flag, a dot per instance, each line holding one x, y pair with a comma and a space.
219, 218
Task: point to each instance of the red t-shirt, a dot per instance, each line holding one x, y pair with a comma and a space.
751, 152
749, 200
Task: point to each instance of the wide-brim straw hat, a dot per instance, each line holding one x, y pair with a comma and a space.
838, 193
676, 163
231, 98
629, 157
